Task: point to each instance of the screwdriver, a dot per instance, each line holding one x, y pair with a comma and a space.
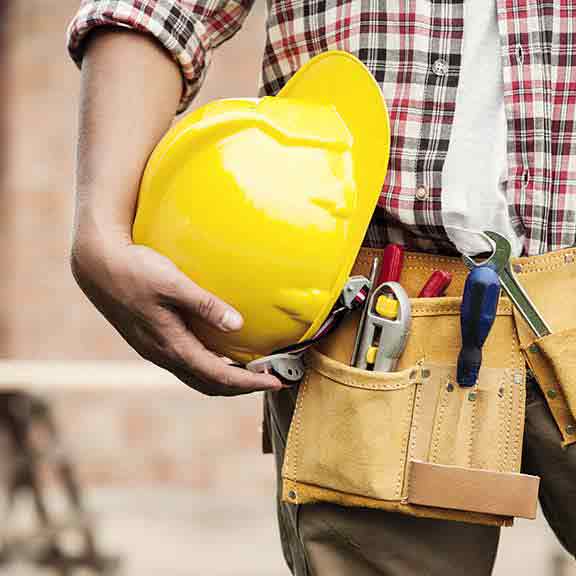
478, 312
436, 285
390, 271
392, 262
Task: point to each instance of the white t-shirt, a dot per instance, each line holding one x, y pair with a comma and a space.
474, 175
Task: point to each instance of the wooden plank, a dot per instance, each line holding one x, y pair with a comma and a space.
44, 375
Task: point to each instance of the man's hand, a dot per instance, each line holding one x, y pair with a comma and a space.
130, 91
150, 302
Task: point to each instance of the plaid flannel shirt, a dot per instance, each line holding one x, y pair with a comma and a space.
413, 49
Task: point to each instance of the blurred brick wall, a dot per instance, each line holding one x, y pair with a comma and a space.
168, 436
46, 315
3, 146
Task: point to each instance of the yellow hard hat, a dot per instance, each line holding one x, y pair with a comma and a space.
265, 203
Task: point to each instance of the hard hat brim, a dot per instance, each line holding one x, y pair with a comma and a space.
338, 79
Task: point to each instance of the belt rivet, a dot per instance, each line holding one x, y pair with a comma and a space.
533, 348
551, 393
450, 387
472, 396
425, 373
292, 495
571, 429
517, 268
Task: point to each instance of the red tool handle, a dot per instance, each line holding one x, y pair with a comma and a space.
392, 262
436, 285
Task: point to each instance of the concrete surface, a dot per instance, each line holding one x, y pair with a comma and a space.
173, 532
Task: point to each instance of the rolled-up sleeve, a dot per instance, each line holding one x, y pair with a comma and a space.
189, 30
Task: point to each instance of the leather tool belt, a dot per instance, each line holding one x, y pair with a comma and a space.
413, 440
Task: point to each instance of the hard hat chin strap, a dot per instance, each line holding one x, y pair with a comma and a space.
287, 362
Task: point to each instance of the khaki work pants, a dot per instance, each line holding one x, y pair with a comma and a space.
328, 540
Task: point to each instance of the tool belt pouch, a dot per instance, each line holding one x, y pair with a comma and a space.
413, 440
550, 281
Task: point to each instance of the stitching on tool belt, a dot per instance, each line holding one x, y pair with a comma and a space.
501, 407
405, 439
545, 263
399, 379
456, 272
473, 420
441, 412
297, 424
527, 268
506, 404
511, 428
453, 308
506, 457
431, 258
511, 420
345, 381
416, 415
513, 392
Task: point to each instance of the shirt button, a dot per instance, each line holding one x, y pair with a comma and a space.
440, 67
525, 177
422, 193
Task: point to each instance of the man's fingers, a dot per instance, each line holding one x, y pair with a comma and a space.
205, 305
171, 345
211, 368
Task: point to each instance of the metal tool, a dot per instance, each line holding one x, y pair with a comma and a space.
288, 366
436, 285
500, 261
356, 288
479, 306
387, 335
373, 276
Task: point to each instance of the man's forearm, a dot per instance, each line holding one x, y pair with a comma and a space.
130, 92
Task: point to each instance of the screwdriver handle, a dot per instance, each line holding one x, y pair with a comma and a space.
436, 285
392, 262
478, 312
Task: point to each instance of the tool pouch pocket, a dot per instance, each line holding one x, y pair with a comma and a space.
550, 280
343, 419
556, 364
413, 440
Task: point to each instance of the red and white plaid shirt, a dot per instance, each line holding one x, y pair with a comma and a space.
413, 49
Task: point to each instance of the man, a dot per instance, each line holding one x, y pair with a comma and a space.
480, 95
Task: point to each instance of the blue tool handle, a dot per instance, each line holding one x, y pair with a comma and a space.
479, 305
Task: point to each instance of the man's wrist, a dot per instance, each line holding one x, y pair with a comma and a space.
96, 222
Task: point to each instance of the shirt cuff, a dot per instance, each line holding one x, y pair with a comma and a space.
171, 24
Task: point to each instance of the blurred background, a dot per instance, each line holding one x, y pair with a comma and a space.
145, 477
